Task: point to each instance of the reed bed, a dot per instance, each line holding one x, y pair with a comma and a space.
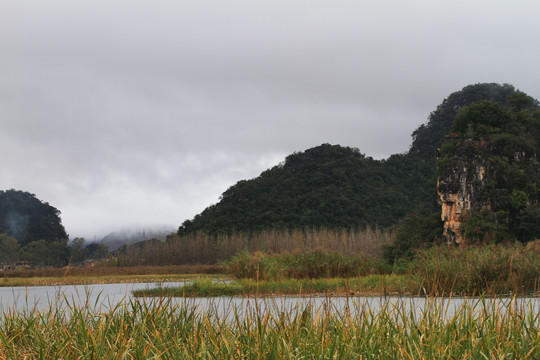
204, 248
473, 270
102, 270
303, 265
365, 285
165, 330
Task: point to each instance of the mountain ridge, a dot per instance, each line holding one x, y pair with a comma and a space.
334, 186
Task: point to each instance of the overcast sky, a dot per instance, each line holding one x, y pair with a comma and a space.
136, 113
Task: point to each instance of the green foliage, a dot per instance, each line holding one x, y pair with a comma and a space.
504, 142
427, 138
28, 219
43, 253
96, 251
414, 231
257, 266
77, 251
338, 187
305, 265
324, 187
485, 226
9, 249
393, 328
473, 270
480, 118
518, 199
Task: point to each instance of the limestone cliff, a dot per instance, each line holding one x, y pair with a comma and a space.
488, 174
461, 185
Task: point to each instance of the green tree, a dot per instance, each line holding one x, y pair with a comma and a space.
77, 251
412, 232
43, 253
503, 142
28, 219
97, 251
9, 249
36, 253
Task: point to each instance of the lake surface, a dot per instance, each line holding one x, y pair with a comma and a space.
104, 297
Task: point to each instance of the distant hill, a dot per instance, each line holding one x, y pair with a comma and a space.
26, 218
334, 186
33, 229
129, 236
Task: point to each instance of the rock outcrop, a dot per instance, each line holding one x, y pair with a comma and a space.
461, 185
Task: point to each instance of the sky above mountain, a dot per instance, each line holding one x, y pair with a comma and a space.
132, 113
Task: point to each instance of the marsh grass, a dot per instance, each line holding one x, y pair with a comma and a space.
366, 285
108, 275
303, 265
162, 329
100, 271
204, 248
473, 270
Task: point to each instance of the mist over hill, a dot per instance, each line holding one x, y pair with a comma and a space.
133, 235
334, 186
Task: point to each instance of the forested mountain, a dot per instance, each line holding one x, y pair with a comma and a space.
333, 186
27, 219
327, 186
35, 225
489, 173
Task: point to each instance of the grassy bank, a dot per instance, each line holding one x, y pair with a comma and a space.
490, 270
473, 270
107, 275
366, 285
165, 330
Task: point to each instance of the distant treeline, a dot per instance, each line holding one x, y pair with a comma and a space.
204, 248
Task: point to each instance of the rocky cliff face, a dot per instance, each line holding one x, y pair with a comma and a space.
461, 184
480, 174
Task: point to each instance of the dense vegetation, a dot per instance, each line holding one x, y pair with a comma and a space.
377, 329
504, 142
202, 248
27, 219
338, 187
327, 186
31, 230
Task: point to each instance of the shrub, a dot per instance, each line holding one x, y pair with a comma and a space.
491, 269
303, 265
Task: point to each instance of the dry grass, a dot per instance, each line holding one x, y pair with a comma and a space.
165, 330
202, 248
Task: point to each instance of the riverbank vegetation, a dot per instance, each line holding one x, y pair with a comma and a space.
205, 248
389, 330
372, 285
489, 270
103, 275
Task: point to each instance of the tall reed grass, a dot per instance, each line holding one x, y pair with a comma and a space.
203, 248
303, 265
165, 330
367, 285
488, 269
100, 271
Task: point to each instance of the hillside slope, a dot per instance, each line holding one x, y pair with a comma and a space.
333, 186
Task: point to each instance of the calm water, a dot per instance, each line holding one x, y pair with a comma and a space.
103, 297
97, 296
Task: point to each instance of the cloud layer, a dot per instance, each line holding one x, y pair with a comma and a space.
125, 113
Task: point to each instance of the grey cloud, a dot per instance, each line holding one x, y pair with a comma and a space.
122, 112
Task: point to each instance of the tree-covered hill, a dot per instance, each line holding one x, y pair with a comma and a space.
334, 187
35, 225
26, 218
489, 173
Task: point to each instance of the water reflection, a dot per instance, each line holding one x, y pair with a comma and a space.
105, 297
41, 298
